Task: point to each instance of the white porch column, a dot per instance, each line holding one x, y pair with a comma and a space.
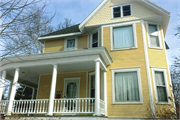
97, 88
105, 92
52, 92
3, 77
13, 92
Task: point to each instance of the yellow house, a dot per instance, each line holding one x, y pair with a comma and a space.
112, 65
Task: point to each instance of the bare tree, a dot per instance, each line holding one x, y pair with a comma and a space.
22, 23
67, 23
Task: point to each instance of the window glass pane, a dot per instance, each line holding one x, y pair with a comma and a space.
126, 10
159, 76
92, 86
154, 41
70, 43
123, 37
95, 40
152, 28
162, 95
126, 87
117, 12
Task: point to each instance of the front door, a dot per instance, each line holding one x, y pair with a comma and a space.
71, 92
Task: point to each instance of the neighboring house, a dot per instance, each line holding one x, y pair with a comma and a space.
112, 65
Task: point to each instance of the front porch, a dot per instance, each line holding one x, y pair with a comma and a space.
30, 69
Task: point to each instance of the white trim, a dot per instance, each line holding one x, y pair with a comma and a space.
139, 84
134, 36
72, 79
148, 72
121, 6
102, 36
168, 70
87, 84
105, 91
38, 86
159, 35
87, 41
91, 74
166, 84
59, 57
73, 48
58, 36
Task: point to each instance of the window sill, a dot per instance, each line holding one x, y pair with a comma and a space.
126, 103
123, 49
163, 103
70, 49
156, 48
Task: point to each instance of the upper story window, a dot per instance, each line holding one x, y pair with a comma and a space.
121, 11
94, 40
123, 37
154, 36
70, 44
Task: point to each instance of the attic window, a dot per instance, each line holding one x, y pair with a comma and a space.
121, 11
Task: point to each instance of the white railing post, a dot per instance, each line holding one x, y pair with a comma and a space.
52, 92
97, 88
3, 77
105, 93
33, 90
13, 91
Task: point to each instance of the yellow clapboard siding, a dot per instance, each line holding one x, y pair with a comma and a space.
82, 42
54, 45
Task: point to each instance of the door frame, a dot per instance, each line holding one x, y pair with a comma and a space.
72, 79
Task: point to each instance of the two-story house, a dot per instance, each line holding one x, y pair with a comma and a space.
112, 65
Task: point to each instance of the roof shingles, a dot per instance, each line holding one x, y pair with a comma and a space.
72, 29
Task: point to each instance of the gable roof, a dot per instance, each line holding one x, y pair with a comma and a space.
146, 3
72, 29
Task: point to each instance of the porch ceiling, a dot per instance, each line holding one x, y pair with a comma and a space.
32, 66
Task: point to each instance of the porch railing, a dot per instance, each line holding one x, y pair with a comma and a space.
77, 105
39, 106
102, 107
3, 106
63, 106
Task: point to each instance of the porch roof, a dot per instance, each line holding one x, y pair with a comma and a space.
32, 66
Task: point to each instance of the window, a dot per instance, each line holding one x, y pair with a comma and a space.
124, 37
121, 11
70, 44
160, 85
154, 39
94, 40
92, 86
126, 86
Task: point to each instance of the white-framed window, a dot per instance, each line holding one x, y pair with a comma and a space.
126, 86
94, 39
160, 85
121, 11
92, 86
123, 37
70, 44
154, 38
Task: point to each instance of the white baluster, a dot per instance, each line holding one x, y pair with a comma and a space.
70, 106
57, 106
89, 105
76, 104
27, 106
79, 105
41, 106
82, 105
37, 106
61, 105
64, 105
92, 105
85, 105
44, 106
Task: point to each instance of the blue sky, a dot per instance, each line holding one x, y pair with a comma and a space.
78, 10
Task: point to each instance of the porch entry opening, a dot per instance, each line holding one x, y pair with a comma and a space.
71, 90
